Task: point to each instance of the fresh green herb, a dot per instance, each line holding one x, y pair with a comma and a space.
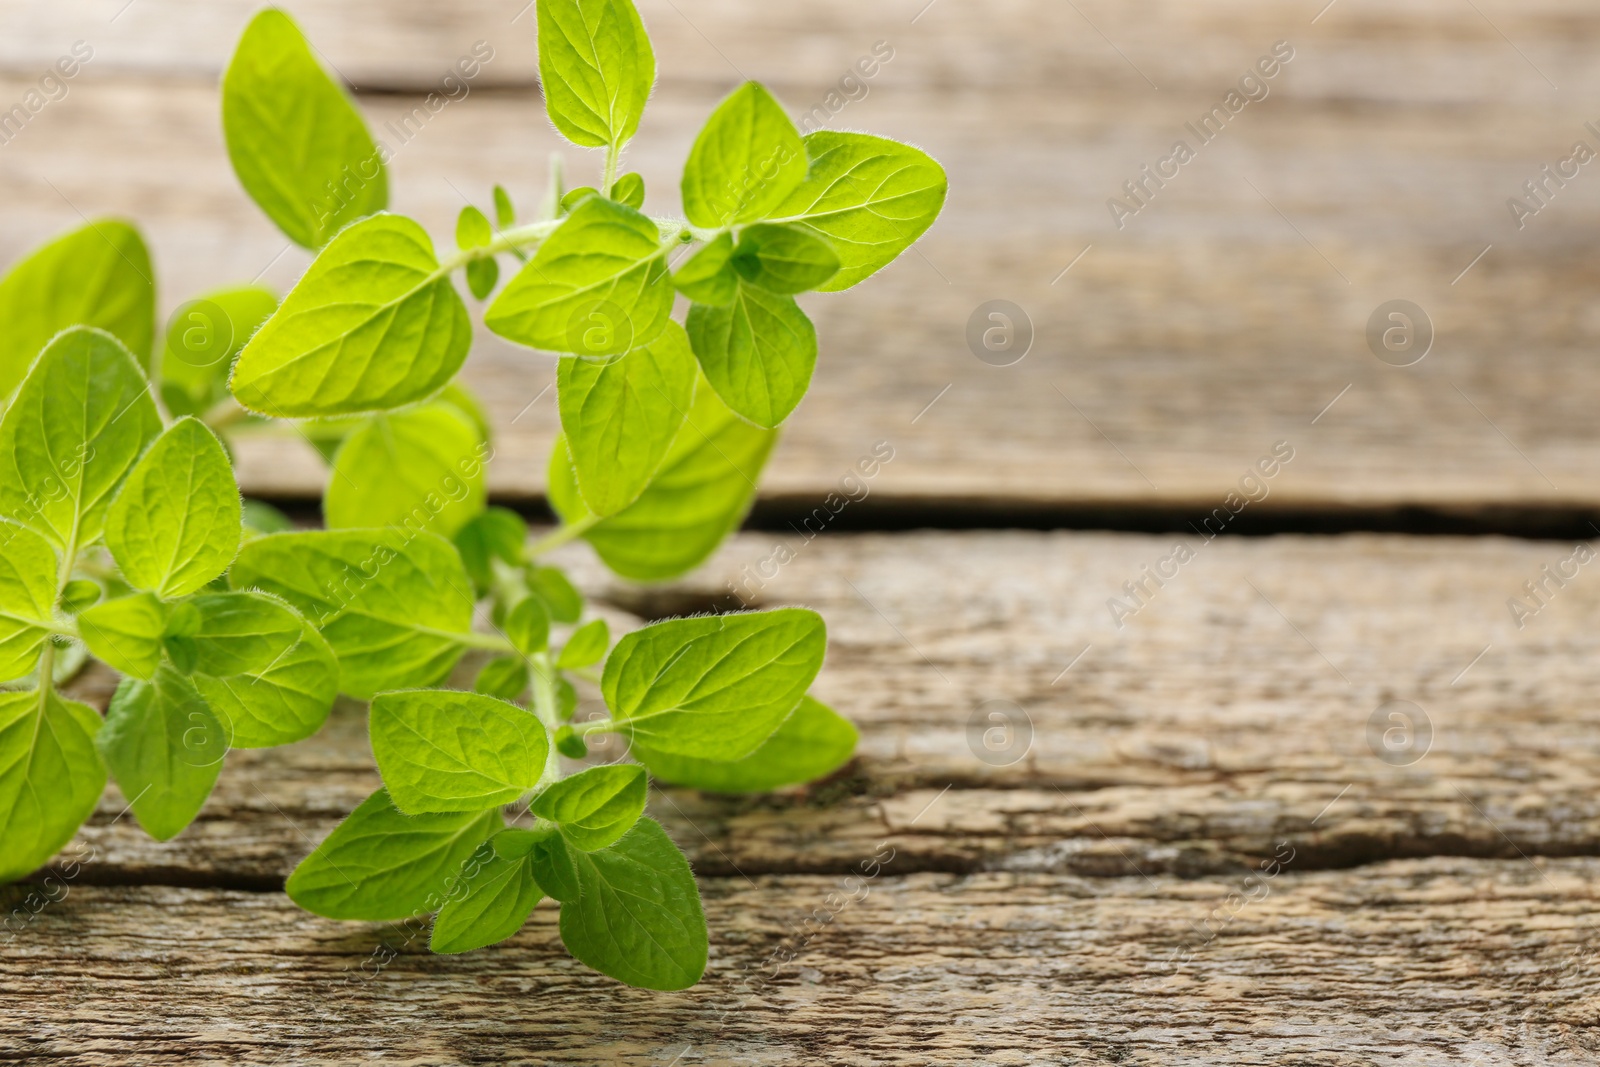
122, 532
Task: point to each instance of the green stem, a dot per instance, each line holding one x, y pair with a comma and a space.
226, 413
541, 682
488, 642
561, 535
518, 237
610, 179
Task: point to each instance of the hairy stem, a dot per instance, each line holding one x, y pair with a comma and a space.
541, 682
561, 535
610, 178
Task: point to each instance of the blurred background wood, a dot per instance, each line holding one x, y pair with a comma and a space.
1226, 315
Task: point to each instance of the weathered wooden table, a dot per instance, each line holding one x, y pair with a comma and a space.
1319, 798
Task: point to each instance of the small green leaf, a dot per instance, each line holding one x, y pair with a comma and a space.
482, 276
203, 338
713, 687
637, 917
444, 750
98, 275
758, 353
28, 567
420, 469
595, 807
239, 633
126, 633
496, 533
586, 646
372, 324
871, 197
570, 743
381, 865
709, 277
73, 431
812, 743
496, 896
394, 606
51, 776
165, 747
573, 197
504, 214
746, 160
598, 286
262, 518
784, 259
472, 229
505, 678
527, 625
621, 414
560, 597
297, 143
554, 869
176, 522
285, 701
77, 594
596, 66
629, 189
699, 496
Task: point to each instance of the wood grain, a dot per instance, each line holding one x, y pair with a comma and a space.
1442, 961
1230, 313
1231, 714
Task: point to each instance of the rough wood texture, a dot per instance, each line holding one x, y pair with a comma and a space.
1421, 962
1193, 739
1225, 316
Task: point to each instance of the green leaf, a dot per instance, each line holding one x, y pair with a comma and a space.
745, 161
98, 275
637, 917
596, 66
381, 865
77, 594
126, 633
497, 533
28, 568
444, 750
504, 214
709, 277
395, 607
595, 807
553, 867
527, 626
713, 687
421, 469
262, 518
165, 747
372, 324
472, 228
51, 776
176, 522
586, 646
784, 259
482, 276
297, 143
73, 431
629, 189
758, 353
203, 337
505, 678
570, 743
871, 197
812, 743
496, 896
699, 496
239, 633
598, 286
621, 415
573, 197
285, 701
560, 597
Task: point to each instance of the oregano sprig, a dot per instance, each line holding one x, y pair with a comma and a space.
123, 535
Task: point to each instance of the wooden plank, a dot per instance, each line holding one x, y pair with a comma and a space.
1232, 713
1229, 314
1411, 962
